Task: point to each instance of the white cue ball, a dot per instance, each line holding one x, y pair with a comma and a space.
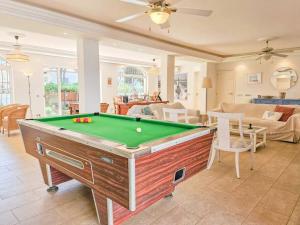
139, 130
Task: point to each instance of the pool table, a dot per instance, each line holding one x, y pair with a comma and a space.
126, 170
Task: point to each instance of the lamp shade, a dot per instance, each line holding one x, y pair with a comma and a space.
206, 83
159, 16
17, 55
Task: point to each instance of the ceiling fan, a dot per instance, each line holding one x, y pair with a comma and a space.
268, 52
160, 11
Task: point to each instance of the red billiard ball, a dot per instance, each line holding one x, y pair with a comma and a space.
77, 120
86, 120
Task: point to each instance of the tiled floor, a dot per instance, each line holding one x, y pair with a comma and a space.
269, 195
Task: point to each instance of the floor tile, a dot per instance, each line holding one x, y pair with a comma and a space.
279, 201
262, 216
177, 216
7, 218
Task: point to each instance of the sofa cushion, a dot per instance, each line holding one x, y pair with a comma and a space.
135, 110
270, 115
157, 109
147, 111
269, 124
190, 119
249, 110
287, 112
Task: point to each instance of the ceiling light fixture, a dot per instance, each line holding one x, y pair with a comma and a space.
16, 55
159, 15
154, 70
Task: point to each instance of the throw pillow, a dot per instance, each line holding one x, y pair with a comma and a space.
274, 116
287, 112
147, 111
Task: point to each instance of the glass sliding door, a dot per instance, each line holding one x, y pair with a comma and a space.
69, 89
61, 90
52, 105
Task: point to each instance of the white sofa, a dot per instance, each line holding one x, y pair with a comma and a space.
277, 130
155, 111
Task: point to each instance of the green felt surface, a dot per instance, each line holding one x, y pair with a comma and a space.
121, 129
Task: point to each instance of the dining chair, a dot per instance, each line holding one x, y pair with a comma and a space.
174, 114
224, 141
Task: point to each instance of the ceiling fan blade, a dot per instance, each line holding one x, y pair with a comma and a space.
259, 58
166, 25
196, 12
279, 55
154, 1
173, 2
283, 50
137, 2
131, 17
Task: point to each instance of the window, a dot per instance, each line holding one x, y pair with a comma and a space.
132, 82
61, 90
5, 85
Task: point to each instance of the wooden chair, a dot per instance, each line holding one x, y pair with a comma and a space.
104, 107
117, 101
10, 117
173, 114
74, 108
225, 142
3, 109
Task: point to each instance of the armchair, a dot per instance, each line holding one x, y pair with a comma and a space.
10, 117
3, 109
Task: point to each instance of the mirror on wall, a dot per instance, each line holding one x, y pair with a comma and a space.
284, 78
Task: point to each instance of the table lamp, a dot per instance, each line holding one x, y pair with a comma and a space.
206, 83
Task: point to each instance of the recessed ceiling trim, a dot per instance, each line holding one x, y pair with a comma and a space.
96, 28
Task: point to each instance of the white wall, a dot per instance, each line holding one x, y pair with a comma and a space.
108, 70
245, 92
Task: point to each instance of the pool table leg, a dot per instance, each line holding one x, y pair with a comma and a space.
52, 177
169, 195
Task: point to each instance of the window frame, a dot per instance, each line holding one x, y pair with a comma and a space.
143, 75
5, 66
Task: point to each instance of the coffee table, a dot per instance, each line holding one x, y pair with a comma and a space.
258, 134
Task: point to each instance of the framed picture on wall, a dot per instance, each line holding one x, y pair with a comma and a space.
254, 78
109, 81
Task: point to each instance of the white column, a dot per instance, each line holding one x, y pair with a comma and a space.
167, 77
89, 75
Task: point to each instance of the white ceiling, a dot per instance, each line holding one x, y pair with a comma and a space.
109, 49
234, 26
